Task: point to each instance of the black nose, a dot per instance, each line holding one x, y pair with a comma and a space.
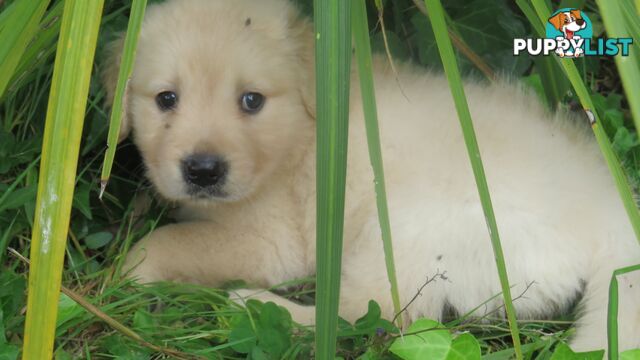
580, 22
204, 170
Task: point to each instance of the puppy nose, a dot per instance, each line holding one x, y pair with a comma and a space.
580, 22
204, 169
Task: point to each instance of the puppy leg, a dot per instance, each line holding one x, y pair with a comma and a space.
303, 315
591, 328
210, 254
353, 303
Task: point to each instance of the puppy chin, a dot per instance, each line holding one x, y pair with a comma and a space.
210, 196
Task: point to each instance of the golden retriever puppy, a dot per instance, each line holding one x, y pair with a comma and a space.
221, 104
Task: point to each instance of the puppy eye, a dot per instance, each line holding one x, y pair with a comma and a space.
252, 102
167, 100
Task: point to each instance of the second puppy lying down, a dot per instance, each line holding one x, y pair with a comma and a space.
221, 104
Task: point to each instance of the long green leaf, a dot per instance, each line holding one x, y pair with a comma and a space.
632, 19
612, 316
365, 72
63, 129
612, 161
333, 62
126, 68
41, 48
18, 30
616, 24
4, 14
437, 16
531, 15
553, 80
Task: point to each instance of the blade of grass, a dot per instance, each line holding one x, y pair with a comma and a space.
17, 182
63, 129
113, 323
631, 17
464, 49
17, 32
553, 80
437, 16
333, 62
616, 24
126, 68
612, 316
612, 161
531, 15
4, 14
40, 49
365, 72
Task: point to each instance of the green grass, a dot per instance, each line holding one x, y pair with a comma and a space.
438, 21
18, 25
612, 323
125, 69
333, 65
60, 149
365, 72
113, 318
584, 96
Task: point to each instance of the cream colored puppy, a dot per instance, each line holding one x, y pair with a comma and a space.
221, 104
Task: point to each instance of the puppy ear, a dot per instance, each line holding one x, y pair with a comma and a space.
301, 32
557, 21
576, 13
110, 80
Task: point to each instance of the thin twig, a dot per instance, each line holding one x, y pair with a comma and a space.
529, 285
388, 51
463, 48
461, 326
438, 275
115, 324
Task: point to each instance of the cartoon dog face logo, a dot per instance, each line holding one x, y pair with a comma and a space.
569, 27
568, 22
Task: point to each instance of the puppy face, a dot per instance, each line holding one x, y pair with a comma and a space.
221, 95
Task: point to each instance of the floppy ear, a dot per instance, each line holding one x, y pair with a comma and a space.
576, 13
557, 21
110, 80
301, 32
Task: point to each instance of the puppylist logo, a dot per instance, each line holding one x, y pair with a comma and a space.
569, 34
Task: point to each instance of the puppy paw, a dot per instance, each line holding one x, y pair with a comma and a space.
241, 296
141, 269
304, 315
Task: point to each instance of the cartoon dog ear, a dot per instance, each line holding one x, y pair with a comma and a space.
110, 80
576, 13
301, 32
557, 21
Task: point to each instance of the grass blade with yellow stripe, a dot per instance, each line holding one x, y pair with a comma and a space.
63, 130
